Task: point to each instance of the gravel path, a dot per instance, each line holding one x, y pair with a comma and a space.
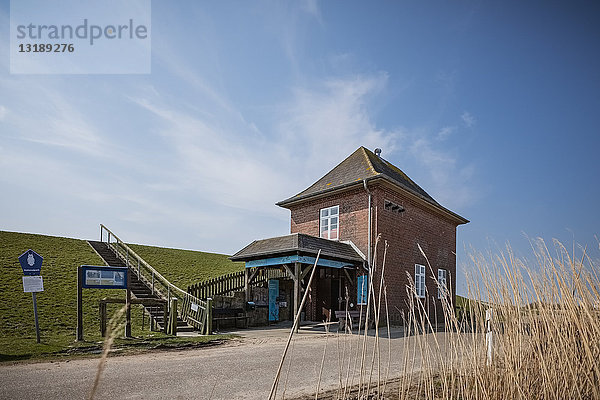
241, 369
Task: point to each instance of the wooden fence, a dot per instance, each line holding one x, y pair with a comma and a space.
231, 283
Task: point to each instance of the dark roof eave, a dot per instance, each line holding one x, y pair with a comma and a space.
292, 200
297, 199
283, 252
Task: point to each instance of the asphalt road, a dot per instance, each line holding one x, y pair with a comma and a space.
243, 369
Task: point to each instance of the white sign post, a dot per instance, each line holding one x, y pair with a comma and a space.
34, 284
488, 335
31, 263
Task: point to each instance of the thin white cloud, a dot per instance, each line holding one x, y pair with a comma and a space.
3, 112
442, 172
237, 168
249, 170
445, 132
468, 119
335, 117
56, 121
312, 8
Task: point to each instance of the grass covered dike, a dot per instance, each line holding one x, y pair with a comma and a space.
57, 310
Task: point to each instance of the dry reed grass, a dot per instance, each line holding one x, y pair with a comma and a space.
545, 329
114, 328
545, 335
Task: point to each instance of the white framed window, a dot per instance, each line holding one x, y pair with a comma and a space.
330, 223
442, 283
420, 280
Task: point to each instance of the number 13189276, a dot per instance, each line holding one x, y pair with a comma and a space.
46, 48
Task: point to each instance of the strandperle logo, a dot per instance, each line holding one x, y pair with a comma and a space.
80, 37
85, 30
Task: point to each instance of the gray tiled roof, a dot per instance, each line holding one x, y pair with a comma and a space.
294, 243
360, 165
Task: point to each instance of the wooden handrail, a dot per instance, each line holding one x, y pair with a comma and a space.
192, 308
164, 281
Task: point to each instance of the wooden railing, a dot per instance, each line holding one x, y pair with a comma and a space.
191, 309
230, 283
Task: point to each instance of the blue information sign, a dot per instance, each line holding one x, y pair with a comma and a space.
103, 277
273, 295
31, 262
362, 283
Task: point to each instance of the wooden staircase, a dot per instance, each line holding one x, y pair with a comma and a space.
139, 288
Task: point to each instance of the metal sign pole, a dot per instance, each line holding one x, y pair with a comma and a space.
128, 306
79, 305
37, 327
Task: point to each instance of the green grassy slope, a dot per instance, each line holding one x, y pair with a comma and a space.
185, 267
57, 304
461, 302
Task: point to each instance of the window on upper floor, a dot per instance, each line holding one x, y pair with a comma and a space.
330, 222
420, 280
442, 283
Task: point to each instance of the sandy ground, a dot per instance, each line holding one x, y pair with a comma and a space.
242, 369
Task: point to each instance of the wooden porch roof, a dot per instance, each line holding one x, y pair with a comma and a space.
298, 244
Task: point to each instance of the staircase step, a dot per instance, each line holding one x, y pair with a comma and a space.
139, 288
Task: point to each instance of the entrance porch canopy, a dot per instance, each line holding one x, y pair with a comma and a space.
298, 250
301, 248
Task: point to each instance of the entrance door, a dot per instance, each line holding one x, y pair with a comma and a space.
336, 298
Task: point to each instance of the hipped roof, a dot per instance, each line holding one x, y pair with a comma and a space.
363, 165
297, 243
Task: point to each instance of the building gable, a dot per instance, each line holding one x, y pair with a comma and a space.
364, 166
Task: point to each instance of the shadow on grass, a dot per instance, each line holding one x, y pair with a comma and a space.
120, 346
14, 357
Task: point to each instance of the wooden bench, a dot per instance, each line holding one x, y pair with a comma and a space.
350, 319
229, 314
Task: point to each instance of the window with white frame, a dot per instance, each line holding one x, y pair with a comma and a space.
329, 226
420, 280
442, 283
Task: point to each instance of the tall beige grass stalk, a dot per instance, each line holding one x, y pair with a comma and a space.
545, 328
115, 327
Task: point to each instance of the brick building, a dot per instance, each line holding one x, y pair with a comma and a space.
363, 198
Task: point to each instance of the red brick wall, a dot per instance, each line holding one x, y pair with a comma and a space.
353, 216
404, 232
416, 225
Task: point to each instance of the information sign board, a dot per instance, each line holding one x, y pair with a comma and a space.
31, 262
362, 283
273, 305
104, 277
33, 284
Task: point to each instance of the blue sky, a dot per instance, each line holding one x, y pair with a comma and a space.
492, 107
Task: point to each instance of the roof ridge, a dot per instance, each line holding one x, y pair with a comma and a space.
404, 175
367, 154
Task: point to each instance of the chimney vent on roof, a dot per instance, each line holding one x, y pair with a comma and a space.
378, 152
